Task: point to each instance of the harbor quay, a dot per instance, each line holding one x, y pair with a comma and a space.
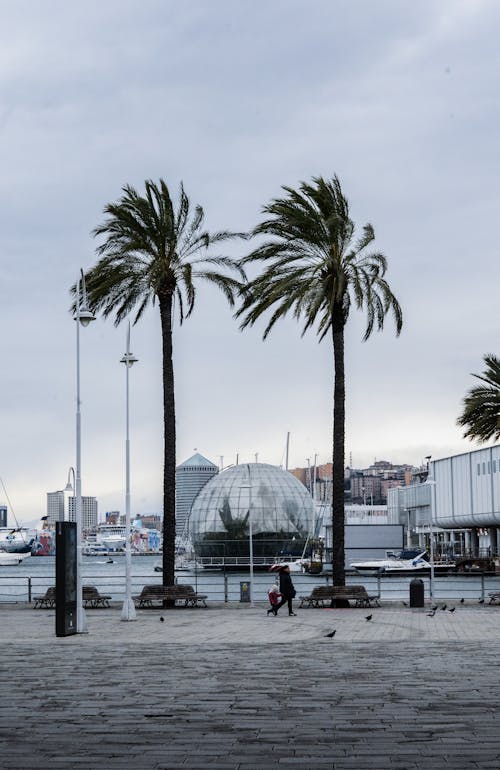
229, 687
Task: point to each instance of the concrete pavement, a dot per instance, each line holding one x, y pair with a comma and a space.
229, 687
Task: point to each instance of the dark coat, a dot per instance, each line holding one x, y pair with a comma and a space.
286, 586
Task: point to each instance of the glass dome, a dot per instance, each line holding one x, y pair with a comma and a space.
281, 512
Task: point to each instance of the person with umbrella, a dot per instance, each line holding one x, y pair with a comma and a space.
287, 590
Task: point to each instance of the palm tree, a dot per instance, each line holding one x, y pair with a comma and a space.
153, 252
481, 413
315, 269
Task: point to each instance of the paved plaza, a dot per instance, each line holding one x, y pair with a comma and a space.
229, 687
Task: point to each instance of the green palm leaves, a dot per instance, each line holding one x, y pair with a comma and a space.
152, 249
312, 263
481, 412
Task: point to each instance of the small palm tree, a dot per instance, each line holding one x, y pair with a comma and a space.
153, 252
481, 412
314, 268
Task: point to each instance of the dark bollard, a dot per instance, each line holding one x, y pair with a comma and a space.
416, 592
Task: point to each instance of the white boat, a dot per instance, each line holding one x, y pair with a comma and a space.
406, 560
12, 559
295, 565
111, 536
18, 540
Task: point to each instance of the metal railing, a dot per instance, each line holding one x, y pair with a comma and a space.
226, 588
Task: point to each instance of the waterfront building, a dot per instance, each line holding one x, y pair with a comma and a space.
89, 512
281, 510
190, 478
3, 515
55, 507
466, 494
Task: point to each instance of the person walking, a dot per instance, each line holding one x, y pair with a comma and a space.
287, 590
274, 598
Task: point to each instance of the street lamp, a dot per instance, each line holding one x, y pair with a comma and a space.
128, 609
82, 316
432, 484
250, 532
70, 487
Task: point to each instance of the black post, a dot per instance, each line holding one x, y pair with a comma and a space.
65, 578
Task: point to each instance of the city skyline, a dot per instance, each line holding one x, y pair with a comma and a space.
399, 101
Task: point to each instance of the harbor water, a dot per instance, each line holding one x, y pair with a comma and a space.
31, 578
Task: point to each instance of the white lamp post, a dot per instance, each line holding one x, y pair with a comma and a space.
432, 484
250, 531
128, 609
70, 487
82, 316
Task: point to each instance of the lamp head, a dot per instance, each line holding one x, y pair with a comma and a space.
129, 360
85, 316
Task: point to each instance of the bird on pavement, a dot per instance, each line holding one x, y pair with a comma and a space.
369, 617
431, 614
434, 608
405, 604
462, 600
443, 607
481, 601
452, 609
331, 634
162, 619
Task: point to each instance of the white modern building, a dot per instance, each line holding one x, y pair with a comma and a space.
466, 494
55, 507
89, 511
190, 478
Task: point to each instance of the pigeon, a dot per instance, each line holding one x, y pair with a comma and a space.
452, 609
462, 600
481, 601
369, 617
443, 607
162, 619
332, 634
405, 604
434, 608
431, 614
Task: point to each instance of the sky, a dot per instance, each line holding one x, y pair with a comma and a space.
236, 99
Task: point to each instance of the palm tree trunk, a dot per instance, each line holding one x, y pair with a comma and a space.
338, 514
168, 560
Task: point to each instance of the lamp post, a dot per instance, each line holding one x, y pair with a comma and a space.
432, 484
250, 531
128, 609
70, 487
82, 316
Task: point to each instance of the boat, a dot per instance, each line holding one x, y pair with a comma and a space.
18, 540
11, 559
295, 565
407, 560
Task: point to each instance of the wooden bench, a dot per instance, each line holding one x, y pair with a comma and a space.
321, 594
92, 599
494, 596
183, 594
47, 601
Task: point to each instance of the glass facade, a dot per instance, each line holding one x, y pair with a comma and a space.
280, 507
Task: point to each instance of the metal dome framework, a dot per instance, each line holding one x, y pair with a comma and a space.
280, 508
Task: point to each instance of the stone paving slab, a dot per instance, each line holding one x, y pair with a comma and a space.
226, 688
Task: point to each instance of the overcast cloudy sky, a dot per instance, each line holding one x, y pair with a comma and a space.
400, 99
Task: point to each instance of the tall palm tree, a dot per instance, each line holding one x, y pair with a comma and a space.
314, 268
481, 412
153, 252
